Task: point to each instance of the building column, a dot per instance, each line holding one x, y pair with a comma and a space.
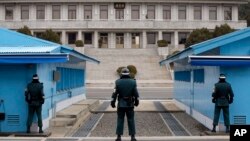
96, 39
127, 43
144, 39
205, 13
176, 39
160, 37
220, 13
112, 40
3, 12
32, 12
64, 41
235, 13
48, 12
79, 35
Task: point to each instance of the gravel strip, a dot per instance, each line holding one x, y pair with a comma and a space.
192, 125
147, 124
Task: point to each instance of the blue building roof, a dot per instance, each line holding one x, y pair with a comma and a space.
209, 45
19, 48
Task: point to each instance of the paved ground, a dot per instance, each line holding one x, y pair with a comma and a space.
145, 93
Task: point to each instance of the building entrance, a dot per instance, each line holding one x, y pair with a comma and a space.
135, 40
119, 40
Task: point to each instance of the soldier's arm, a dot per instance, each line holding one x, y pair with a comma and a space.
42, 94
231, 94
214, 94
136, 94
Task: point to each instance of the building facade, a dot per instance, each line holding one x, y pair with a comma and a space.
120, 23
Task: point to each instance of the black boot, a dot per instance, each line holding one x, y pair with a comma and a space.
118, 138
133, 138
40, 130
227, 129
214, 128
28, 129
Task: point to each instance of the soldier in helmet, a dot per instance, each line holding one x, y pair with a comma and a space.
222, 97
34, 96
128, 97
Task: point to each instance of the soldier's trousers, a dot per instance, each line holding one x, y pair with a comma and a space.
130, 119
38, 111
225, 110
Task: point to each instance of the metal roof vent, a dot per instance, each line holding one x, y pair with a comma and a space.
240, 120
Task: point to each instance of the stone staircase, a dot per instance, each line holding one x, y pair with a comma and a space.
69, 119
149, 72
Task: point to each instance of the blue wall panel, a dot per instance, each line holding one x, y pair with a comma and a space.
14, 79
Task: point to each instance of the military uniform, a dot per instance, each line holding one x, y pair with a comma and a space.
222, 97
34, 96
128, 97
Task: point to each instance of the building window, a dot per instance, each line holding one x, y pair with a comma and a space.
24, 12
40, 12
56, 12
119, 13
9, 12
199, 76
87, 38
212, 13
150, 12
182, 12
151, 38
227, 13
103, 11
166, 12
197, 12
87, 11
183, 37
182, 76
167, 37
69, 78
72, 12
135, 12
72, 38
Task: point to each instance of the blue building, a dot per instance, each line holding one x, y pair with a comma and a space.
197, 69
22, 56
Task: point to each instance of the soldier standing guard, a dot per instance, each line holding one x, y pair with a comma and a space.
34, 96
128, 97
222, 97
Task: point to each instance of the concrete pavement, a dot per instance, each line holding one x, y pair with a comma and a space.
183, 138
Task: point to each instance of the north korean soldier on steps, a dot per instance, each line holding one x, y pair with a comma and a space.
128, 97
222, 97
34, 96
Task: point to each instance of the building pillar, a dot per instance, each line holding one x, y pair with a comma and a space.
79, 35
64, 12
205, 13
174, 12
235, 13
79, 13
127, 43
32, 12
220, 13
2, 10
176, 39
64, 41
160, 35
96, 39
144, 39
112, 40
190, 12
48, 12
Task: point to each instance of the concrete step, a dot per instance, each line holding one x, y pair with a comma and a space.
91, 103
73, 111
62, 122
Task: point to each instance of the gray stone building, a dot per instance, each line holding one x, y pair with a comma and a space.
120, 23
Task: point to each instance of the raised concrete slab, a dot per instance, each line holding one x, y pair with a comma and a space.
73, 111
62, 122
91, 103
148, 106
